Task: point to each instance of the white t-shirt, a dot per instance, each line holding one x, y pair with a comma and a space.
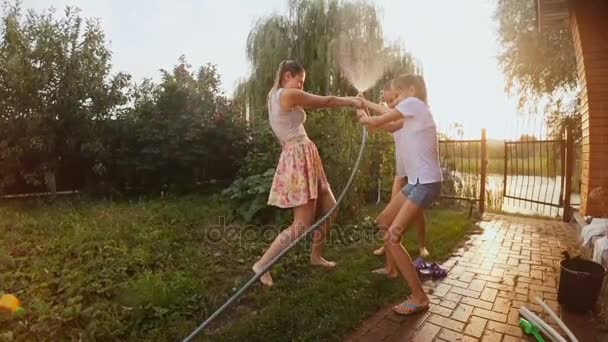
399, 153
420, 149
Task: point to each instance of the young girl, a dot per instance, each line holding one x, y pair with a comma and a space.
389, 97
421, 156
299, 181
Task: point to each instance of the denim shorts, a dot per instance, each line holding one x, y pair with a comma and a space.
422, 194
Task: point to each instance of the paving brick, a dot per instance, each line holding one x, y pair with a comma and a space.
447, 323
453, 297
512, 330
477, 303
477, 285
500, 287
457, 270
487, 265
488, 294
491, 336
502, 305
553, 304
522, 288
508, 338
551, 296
476, 327
441, 290
427, 333
497, 272
513, 317
536, 274
513, 296
466, 277
469, 264
491, 315
489, 279
449, 263
529, 280
524, 268
478, 271
448, 304
465, 292
550, 282
540, 288
456, 283
462, 312
440, 310
449, 335
434, 299
532, 306
532, 263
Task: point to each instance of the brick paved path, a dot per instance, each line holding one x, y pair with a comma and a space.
508, 265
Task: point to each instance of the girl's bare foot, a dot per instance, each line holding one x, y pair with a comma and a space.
391, 274
412, 306
379, 251
265, 279
320, 261
424, 253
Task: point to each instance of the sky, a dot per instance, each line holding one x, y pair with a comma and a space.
456, 42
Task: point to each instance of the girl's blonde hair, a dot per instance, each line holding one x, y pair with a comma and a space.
405, 81
285, 66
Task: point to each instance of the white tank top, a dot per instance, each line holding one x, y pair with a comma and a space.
285, 125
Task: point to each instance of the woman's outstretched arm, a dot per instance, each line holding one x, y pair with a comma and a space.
296, 97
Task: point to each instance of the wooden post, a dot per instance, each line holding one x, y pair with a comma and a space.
562, 155
484, 169
504, 180
569, 172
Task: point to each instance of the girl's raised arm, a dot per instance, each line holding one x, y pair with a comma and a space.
380, 120
393, 126
378, 108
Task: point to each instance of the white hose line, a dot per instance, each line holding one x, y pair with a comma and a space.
557, 319
542, 325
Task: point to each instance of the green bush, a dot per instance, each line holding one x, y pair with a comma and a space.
249, 196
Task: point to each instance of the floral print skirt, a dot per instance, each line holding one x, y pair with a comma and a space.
299, 175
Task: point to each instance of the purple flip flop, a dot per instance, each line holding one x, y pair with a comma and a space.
435, 271
419, 264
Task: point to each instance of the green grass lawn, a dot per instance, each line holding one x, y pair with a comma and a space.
153, 270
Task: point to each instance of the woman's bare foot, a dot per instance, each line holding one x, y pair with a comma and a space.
320, 261
391, 274
424, 253
379, 251
265, 279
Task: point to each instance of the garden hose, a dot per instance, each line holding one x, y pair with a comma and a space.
266, 268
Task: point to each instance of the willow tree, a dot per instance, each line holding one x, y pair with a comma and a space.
310, 32
538, 65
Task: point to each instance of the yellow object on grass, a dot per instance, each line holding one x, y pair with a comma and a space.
10, 303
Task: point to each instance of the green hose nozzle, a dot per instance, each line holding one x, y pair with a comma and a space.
531, 329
